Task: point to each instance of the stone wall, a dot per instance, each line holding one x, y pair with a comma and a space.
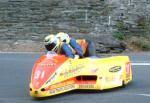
33, 19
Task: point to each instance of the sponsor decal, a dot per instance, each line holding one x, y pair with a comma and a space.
52, 78
128, 68
88, 86
94, 70
51, 63
128, 71
61, 89
72, 71
47, 65
61, 84
115, 69
115, 79
109, 79
100, 77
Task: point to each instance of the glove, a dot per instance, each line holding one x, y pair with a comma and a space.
76, 56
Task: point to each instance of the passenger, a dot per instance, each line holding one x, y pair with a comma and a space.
69, 46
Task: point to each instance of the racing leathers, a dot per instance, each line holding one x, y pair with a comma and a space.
71, 49
80, 47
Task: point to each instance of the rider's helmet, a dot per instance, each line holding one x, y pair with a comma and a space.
51, 43
63, 37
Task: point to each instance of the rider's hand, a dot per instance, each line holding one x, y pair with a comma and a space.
76, 56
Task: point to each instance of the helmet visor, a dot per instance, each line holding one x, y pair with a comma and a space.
50, 47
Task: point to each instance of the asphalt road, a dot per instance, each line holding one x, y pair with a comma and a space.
15, 71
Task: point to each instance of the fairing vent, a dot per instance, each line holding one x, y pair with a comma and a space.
86, 78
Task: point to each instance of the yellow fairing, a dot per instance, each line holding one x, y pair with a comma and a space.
88, 73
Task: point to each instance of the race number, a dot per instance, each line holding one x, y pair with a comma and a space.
39, 74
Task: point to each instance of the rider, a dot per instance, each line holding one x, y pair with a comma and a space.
63, 44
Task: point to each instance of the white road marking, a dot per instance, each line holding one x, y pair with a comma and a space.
140, 63
145, 95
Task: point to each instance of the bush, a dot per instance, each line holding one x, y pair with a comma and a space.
144, 44
140, 43
119, 35
120, 25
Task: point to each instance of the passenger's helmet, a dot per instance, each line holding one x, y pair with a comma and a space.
51, 43
63, 37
